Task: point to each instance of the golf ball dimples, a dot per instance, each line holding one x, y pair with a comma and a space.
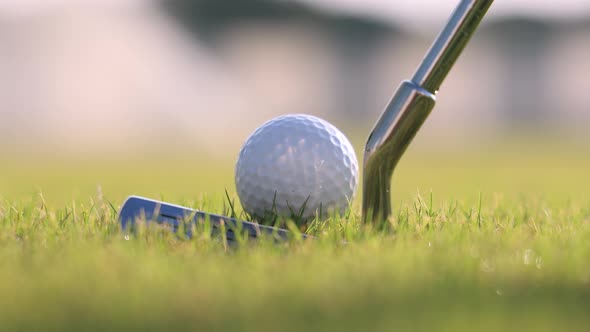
293, 162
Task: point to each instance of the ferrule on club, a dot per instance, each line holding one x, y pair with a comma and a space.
410, 106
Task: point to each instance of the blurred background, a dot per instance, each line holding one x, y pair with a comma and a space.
92, 78
203, 74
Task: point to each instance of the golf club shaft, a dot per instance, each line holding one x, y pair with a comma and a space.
449, 44
410, 106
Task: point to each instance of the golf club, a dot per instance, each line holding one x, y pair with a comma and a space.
410, 106
138, 208
395, 129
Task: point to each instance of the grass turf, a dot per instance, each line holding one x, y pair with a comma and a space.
484, 240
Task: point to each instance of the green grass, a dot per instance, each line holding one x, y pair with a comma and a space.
492, 240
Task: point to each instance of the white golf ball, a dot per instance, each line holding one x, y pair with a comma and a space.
294, 162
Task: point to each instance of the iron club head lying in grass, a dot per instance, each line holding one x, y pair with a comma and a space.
139, 208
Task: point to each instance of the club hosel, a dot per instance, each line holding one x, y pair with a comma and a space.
392, 134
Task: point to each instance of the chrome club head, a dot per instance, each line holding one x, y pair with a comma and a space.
174, 216
410, 106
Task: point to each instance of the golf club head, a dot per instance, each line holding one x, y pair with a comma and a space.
410, 106
137, 208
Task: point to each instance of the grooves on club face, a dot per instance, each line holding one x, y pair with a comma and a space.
139, 208
409, 108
